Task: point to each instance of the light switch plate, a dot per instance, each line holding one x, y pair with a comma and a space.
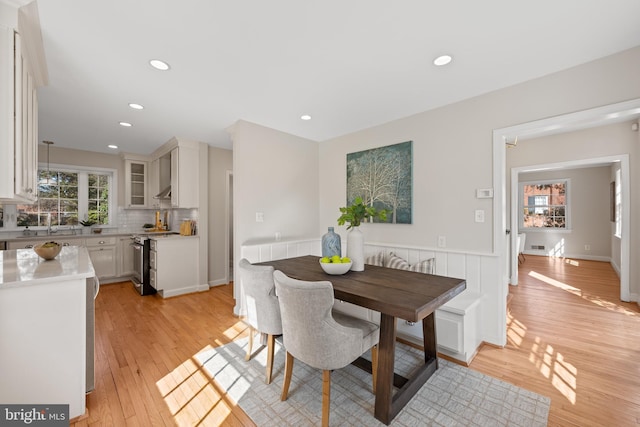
484, 193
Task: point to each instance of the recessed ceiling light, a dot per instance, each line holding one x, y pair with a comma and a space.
112, 146
136, 106
442, 60
125, 124
159, 65
305, 117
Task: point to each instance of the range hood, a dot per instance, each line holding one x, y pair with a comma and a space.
164, 194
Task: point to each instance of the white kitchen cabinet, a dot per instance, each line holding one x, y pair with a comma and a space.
185, 181
19, 77
135, 181
174, 265
125, 267
44, 330
102, 251
153, 187
28, 243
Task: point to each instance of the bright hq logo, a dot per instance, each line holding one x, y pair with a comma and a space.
49, 415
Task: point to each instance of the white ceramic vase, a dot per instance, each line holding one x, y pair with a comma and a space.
355, 248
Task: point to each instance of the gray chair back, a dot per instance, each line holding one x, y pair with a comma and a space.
263, 309
309, 331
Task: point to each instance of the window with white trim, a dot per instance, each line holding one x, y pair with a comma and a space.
67, 196
544, 205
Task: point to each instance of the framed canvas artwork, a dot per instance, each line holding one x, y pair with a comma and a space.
383, 177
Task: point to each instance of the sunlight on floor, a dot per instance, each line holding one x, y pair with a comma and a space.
578, 292
557, 250
191, 393
516, 330
552, 365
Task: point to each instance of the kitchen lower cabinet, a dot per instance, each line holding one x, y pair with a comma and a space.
174, 265
126, 267
29, 243
102, 251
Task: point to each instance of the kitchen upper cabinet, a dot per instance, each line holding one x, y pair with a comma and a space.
22, 70
185, 177
135, 181
154, 183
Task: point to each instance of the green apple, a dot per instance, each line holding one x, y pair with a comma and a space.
325, 259
335, 258
346, 260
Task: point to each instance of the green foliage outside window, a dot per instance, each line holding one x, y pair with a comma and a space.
59, 197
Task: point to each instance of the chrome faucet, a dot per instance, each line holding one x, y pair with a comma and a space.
49, 230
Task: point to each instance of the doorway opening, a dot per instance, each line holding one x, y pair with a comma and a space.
504, 244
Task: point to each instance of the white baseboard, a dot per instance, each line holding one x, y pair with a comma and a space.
218, 282
574, 256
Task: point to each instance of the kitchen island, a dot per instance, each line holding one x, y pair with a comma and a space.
43, 328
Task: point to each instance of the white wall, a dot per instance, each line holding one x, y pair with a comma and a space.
69, 156
588, 203
452, 158
220, 162
274, 173
603, 141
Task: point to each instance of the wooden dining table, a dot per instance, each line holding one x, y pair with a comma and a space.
395, 294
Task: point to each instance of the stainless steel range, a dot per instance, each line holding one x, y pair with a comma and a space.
141, 249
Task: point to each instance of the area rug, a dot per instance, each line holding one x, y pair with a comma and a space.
453, 396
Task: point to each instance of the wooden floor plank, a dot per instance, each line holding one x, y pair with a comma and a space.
573, 340
569, 338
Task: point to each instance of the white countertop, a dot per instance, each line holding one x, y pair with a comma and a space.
23, 267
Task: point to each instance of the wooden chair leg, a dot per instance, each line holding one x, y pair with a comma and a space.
326, 397
271, 341
374, 366
250, 344
288, 368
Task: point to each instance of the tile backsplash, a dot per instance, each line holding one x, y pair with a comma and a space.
134, 219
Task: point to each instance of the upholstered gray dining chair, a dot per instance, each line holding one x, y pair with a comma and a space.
319, 337
263, 310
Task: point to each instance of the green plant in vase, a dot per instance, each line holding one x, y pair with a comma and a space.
358, 212
355, 214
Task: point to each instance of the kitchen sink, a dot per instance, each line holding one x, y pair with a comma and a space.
54, 234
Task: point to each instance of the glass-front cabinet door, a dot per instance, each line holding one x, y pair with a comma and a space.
136, 183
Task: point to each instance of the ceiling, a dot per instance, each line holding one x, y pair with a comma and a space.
350, 65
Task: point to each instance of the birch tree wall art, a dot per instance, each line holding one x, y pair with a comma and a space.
383, 177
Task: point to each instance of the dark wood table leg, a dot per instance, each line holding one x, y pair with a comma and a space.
429, 337
386, 361
387, 404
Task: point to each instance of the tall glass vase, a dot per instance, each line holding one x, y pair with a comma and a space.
331, 244
355, 248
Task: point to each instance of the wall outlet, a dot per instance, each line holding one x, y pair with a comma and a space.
587, 247
479, 215
259, 217
442, 242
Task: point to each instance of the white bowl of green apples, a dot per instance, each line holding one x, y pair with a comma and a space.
335, 265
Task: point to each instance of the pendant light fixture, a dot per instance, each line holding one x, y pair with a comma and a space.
49, 144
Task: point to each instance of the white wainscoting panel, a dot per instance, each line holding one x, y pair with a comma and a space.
461, 326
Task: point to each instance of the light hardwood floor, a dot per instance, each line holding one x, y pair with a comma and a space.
569, 338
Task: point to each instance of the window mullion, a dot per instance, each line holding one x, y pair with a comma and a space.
83, 195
